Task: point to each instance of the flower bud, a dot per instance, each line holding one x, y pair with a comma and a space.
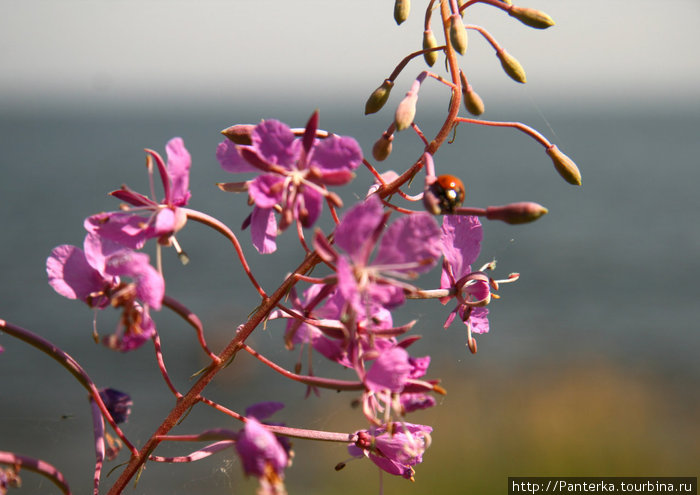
406, 112
379, 97
458, 34
472, 101
531, 17
401, 10
240, 133
429, 41
512, 66
515, 213
565, 166
382, 148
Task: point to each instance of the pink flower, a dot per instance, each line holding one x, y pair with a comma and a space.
461, 242
262, 454
330, 336
395, 452
390, 371
130, 228
295, 174
411, 245
94, 276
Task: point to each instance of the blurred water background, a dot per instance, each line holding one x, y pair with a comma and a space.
591, 366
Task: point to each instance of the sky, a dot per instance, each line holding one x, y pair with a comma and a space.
207, 50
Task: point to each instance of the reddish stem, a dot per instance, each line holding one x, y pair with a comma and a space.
193, 395
161, 366
38, 466
192, 319
516, 125
307, 380
68, 363
223, 229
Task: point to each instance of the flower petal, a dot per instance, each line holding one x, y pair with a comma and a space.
460, 238
231, 160
275, 143
179, 162
263, 191
336, 153
410, 244
71, 275
98, 249
478, 319
263, 230
313, 204
389, 371
150, 286
260, 450
358, 225
128, 229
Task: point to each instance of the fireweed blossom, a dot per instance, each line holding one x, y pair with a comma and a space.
295, 173
94, 276
131, 228
410, 246
330, 336
262, 453
393, 384
395, 451
461, 242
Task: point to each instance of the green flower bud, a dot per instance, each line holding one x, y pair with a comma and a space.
531, 17
382, 148
429, 41
472, 101
458, 34
401, 10
378, 98
565, 166
512, 66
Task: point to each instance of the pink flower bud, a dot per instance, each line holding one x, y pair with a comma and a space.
406, 111
239, 134
531, 17
516, 213
378, 98
401, 10
512, 66
565, 166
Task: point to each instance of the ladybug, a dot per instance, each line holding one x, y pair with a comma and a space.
446, 194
